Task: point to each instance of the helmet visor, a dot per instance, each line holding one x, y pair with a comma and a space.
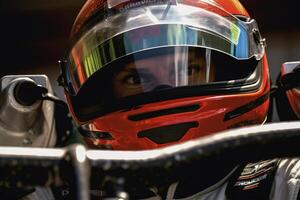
158, 26
170, 68
159, 74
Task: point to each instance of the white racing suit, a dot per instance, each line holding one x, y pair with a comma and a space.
284, 184
271, 179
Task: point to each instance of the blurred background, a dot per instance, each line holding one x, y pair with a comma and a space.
34, 33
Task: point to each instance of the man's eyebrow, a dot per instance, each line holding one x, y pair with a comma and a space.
127, 69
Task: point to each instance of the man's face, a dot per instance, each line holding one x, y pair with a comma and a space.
169, 70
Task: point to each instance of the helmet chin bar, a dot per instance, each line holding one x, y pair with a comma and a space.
84, 169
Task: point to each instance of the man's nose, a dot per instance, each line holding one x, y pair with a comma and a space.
165, 77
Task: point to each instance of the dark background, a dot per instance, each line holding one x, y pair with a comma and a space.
34, 33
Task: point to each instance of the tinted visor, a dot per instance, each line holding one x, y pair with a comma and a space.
162, 69
160, 74
158, 26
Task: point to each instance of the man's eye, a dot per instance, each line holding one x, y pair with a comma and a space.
133, 80
137, 79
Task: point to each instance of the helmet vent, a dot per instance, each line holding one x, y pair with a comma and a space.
166, 134
96, 134
163, 112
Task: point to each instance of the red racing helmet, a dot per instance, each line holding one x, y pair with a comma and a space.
151, 73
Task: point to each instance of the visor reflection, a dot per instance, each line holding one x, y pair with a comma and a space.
85, 59
173, 69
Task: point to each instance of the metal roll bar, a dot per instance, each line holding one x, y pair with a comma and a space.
83, 168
